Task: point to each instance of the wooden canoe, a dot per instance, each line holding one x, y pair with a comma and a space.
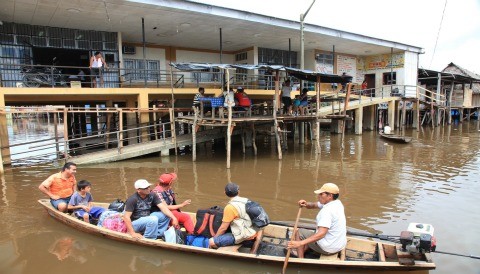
359, 253
396, 138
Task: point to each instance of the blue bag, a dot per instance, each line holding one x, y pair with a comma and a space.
197, 240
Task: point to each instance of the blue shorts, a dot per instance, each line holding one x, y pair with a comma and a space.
226, 239
303, 103
55, 203
95, 212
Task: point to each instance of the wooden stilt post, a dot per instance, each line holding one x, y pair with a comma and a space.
65, 134
276, 103
172, 125
172, 115
243, 140
55, 131
120, 131
229, 128
317, 118
155, 122
253, 139
194, 134
404, 113
417, 102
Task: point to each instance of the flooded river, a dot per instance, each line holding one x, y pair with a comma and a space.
384, 186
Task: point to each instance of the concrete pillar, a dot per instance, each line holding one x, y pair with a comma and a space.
144, 116
460, 118
391, 114
301, 132
416, 114
336, 126
165, 152
131, 123
358, 120
5, 153
369, 118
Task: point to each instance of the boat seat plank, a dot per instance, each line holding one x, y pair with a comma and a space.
333, 257
231, 248
381, 253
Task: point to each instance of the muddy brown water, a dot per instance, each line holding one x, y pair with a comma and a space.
384, 186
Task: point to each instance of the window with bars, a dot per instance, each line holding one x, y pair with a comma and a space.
135, 70
268, 56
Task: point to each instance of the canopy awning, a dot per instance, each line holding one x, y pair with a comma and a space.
307, 75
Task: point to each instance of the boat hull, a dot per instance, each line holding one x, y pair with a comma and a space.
269, 231
396, 138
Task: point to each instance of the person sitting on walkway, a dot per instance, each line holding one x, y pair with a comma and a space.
138, 215
302, 107
81, 202
165, 192
60, 186
330, 236
242, 98
234, 216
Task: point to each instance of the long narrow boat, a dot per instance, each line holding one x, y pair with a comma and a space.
396, 138
358, 254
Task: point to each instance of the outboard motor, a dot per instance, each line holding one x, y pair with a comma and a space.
418, 238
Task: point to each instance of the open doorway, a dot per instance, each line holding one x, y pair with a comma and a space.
370, 84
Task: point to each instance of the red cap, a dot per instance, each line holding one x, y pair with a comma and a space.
167, 178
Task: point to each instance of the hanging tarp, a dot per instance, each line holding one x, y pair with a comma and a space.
311, 76
198, 66
304, 74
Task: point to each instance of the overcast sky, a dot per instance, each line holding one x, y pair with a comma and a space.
413, 22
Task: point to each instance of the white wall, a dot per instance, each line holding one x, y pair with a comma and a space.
203, 57
410, 77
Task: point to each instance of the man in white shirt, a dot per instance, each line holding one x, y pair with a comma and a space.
330, 236
387, 129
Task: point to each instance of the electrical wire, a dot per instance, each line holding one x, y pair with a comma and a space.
438, 34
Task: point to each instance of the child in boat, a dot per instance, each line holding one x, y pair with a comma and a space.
165, 193
81, 202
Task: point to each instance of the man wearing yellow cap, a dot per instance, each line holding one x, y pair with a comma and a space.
330, 236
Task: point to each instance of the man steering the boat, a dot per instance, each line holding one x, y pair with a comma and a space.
234, 216
330, 236
138, 215
60, 186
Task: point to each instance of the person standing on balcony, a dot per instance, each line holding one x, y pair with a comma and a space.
364, 87
97, 64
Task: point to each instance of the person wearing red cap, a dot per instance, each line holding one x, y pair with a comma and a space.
165, 192
330, 236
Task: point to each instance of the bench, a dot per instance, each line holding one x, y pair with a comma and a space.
339, 256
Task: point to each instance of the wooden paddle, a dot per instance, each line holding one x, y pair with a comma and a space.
292, 238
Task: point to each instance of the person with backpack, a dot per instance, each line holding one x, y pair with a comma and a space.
330, 237
236, 218
138, 215
165, 192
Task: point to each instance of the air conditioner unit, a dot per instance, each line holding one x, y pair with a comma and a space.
128, 50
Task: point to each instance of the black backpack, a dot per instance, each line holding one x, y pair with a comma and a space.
117, 205
208, 221
257, 214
